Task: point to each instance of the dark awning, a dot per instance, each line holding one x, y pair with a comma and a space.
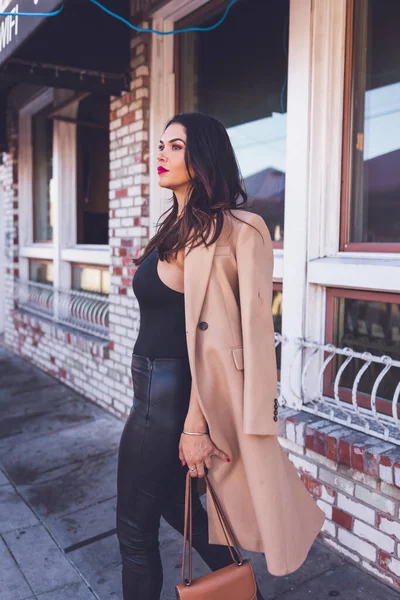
82, 48
14, 30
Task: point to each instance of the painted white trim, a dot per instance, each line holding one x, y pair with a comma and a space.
325, 158
296, 193
176, 10
162, 105
327, 89
36, 102
25, 177
381, 275
312, 218
372, 256
25, 163
40, 251
95, 255
65, 217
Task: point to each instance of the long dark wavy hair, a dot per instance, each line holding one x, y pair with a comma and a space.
216, 186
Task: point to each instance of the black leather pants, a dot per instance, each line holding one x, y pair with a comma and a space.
151, 480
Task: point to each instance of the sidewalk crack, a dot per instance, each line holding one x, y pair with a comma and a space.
17, 565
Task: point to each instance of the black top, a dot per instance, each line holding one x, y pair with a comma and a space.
162, 331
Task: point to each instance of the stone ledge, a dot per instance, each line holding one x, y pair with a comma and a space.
340, 445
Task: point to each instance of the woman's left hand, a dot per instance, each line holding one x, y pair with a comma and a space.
196, 452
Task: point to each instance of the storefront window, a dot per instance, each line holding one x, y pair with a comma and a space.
365, 322
41, 271
43, 201
91, 279
93, 168
238, 74
371, 202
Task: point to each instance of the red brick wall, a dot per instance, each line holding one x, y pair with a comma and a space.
8, 179
129, 208
355, 479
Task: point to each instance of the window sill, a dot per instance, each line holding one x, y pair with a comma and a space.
44, 251
375, 272
93, 255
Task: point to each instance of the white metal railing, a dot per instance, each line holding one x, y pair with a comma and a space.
311, 361
315, 361
85, 311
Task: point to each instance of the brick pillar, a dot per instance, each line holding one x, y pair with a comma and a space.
129, 211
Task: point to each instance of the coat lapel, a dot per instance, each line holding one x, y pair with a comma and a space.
197, 269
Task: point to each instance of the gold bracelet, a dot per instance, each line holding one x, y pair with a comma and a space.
194, 433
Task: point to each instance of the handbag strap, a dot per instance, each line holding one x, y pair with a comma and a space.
188, 525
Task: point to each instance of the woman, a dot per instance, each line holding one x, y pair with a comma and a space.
204, 375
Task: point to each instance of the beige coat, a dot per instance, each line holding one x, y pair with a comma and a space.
228, 294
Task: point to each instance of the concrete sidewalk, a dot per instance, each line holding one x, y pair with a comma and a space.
58, 456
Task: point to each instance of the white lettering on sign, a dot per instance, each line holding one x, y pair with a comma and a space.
5, 3
8, 28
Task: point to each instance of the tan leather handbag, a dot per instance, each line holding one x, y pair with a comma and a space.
234, 582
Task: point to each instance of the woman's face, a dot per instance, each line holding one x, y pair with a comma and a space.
171, 168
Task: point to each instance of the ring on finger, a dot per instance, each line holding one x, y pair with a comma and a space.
194, 469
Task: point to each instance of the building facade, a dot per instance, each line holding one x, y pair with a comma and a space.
309, 91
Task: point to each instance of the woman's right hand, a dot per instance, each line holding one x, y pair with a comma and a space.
196, 451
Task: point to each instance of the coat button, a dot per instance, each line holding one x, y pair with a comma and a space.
203, 325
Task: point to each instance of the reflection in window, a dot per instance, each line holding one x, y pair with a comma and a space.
277, 317
41, 271
91, 279
42, 150
237, 73
375, 109
368, 326
93, 166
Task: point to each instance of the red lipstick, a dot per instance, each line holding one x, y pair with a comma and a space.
161, 170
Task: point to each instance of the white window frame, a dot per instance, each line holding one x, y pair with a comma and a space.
29, 249
162, 105
162, 84
67, 248
313, 186
327, 265
64, 249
